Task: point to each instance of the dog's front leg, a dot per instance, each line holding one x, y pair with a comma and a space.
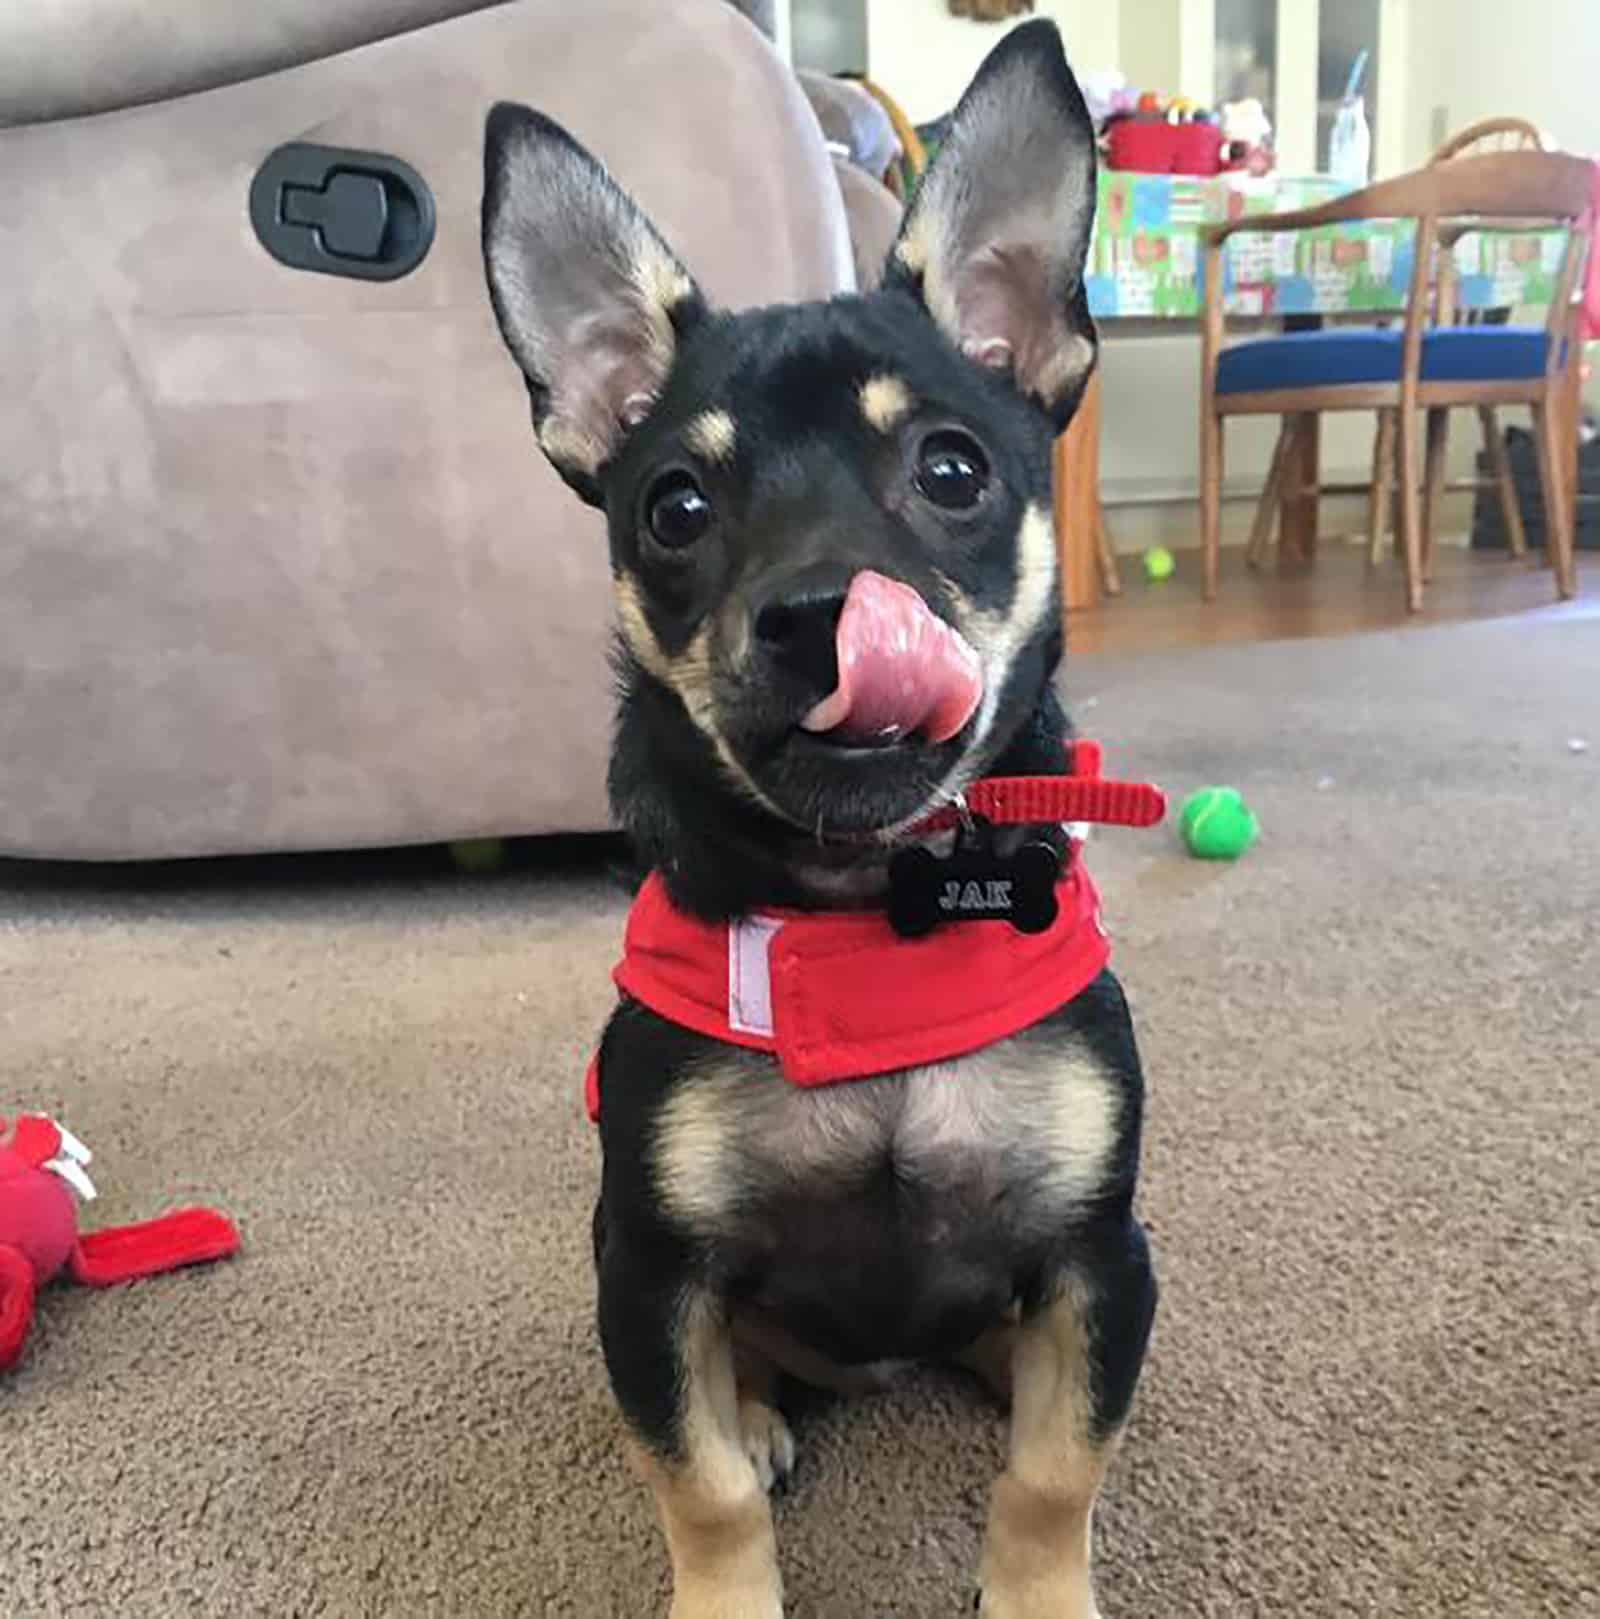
1076, 1363
670, 1355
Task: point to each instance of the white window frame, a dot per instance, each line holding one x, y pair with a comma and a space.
1294, 119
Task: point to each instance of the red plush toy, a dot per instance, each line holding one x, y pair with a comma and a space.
41, 1166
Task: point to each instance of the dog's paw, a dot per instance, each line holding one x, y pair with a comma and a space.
991, 1606
767, 1442
716, 1601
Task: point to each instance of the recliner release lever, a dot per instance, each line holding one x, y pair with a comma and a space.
341, 212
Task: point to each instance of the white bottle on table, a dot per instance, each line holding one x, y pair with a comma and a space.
1350, 145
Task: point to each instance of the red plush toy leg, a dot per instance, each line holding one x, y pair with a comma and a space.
125, 1253
16, 1304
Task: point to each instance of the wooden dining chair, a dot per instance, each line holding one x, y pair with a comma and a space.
1491, 135
1425, 364
1476, 140
1488, 135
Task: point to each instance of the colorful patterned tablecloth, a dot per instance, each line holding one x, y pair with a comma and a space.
1144, 260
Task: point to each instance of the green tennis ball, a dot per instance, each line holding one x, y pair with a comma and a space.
1159, 564
1217, 824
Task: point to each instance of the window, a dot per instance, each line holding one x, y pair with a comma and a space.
1345, 28
1295, 57
829, 36
1247, 52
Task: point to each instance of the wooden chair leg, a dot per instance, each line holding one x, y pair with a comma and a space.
1557, 513
1210, 495
1433, 493
1567, 411
1506, 485
1267, 508
1075, 473
1382, 485
1411, 507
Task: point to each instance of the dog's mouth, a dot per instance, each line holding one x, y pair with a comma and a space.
904, 674
879, 747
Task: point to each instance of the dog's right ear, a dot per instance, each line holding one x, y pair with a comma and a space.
590, 300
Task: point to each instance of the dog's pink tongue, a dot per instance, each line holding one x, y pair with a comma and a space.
901, 668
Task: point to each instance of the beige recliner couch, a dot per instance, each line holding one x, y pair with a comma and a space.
280, 564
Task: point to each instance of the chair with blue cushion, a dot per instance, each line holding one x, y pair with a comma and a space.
1503, 134
1428, 363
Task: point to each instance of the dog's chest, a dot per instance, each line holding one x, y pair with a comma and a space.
1040, 1118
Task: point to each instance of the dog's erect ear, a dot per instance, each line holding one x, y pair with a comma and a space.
590, 300
997, 235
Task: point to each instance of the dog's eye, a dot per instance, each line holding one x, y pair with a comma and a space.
952, 471
679, 511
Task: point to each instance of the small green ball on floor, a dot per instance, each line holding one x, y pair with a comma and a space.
1159, 564
478, 855
1217, 824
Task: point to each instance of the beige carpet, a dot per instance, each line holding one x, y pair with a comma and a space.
1373, 1180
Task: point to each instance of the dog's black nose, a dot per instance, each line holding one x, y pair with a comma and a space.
797, 627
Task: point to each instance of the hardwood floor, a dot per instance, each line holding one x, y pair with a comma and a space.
1338, 594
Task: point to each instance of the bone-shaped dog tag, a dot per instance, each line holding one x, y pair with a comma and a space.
974, 884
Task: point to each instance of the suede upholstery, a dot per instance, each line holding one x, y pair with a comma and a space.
874, 213
64, 58
853, 119
282, 566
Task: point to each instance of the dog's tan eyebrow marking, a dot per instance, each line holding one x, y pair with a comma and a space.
712, 434
884, 401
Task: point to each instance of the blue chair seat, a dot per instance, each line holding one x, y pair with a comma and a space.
1340, 357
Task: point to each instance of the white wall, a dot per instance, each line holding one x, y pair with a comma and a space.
1472, 59
924, 57
1150, 43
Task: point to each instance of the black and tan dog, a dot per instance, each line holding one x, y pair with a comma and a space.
836, 591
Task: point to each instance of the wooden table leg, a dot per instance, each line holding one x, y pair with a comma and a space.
1302, 477
1110, 574
1077, 501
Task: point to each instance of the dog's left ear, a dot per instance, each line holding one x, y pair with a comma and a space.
591, 301
998, 233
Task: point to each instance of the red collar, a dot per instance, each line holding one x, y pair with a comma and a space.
838, 995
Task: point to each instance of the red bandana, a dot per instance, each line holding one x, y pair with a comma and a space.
838, 995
